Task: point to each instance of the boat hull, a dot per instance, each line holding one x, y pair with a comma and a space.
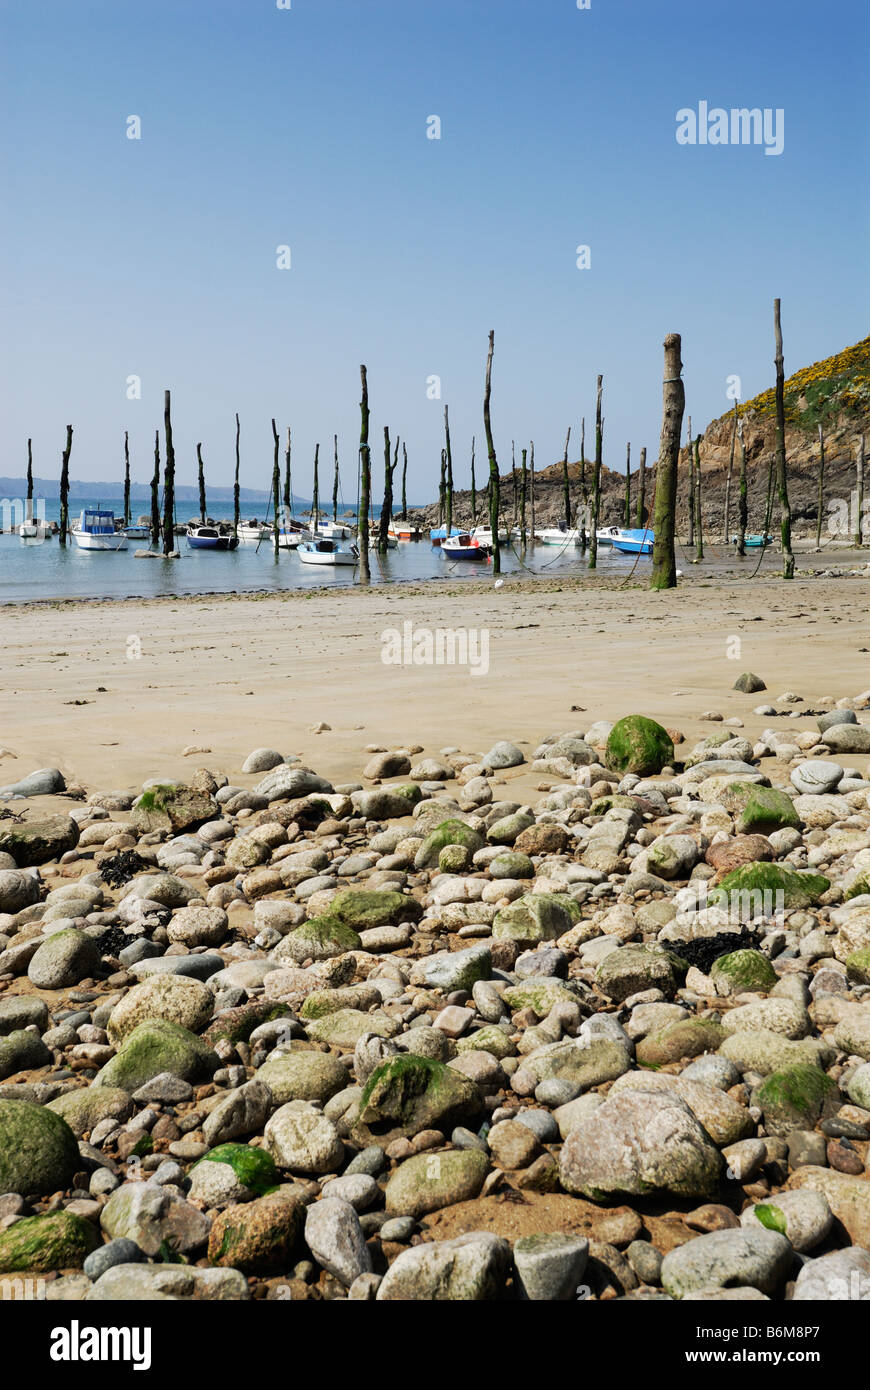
88, 542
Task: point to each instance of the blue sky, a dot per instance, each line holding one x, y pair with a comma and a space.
307, 127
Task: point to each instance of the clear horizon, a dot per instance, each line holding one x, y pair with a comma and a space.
307, 127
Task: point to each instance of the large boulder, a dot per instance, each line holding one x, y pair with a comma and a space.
302, 1076
409, 1094
39, 1244
639, 1142
85, 1107
259, 1237
38, 1150
471, 1269
532, 918
639, 745
174, 998
429, 1182
728, 1259
449, 832
172, 806
37, 841
156, 1046
155, 1218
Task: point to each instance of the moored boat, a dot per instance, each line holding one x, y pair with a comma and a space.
556, 535
325, 551
96, 530
632, 542
210, 537
753, 542
465, 546
253, 531
438, 534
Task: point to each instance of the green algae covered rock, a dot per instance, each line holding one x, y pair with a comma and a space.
39, 1244
769, 888
254, 1168
430, 1182
38, 1150
764, 809
449, 832
797, 1098
743, 972
535, 917
259, 1237
640, 745
409, 1094
361, 909
156, 1046
690, 1037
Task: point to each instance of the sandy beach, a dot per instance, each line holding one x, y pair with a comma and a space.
113, 693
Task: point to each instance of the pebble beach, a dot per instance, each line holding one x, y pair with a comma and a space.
325, 979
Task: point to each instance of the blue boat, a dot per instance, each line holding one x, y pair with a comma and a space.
465, 546
634, 542
210, 537
439, 534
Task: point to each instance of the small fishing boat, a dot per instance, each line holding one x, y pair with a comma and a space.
139, 530
633, 542
334, 530
404, 531
465, 546
556, 535
484, 535
605, 534
324, 551
439, 534
753, 542
210, 537
253, 531
96, 530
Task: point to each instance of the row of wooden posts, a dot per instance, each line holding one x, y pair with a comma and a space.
664, 570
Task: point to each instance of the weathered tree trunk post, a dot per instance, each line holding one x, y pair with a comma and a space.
523, 491
781, 465
335, 481
726, 521
596, 482
473, 487
404, 482
698, 517
742, 495
276, 486
626, 511
641, 489
315, 502
237, 511
288, 480
493, 462
201, 475
532, 491
155, 488
30, 470
859, 494
691, 535
387, 509
126, 478
584, 490
514, 480
821, 502
664, 571
566, 486
64, 486
365, 482
168, 479
449, 454
442, 488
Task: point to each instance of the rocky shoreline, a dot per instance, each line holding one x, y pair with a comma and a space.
405, 1038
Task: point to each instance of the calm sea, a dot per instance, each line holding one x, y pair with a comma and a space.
50, 571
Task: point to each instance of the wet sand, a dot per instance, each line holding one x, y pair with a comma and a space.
113, 692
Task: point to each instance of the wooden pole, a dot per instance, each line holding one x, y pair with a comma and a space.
821, 502
473, 488
514, 480
859, 493
236, 492
532, 488
781, 464
126, 479
64, 486
288, 478
641, 489
523, 491
155, 488
404, 482
664, 571
30, 469
700, 551
442, 488
365, 482
626, 511
201, 469
335, 481
449, 453
596, 481
315, 501
494, 497
584, 491
742, 495
168, 479
726, 522
387, 508
566, 489
276, 486
691, 536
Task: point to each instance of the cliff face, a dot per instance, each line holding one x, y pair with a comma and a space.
834, 393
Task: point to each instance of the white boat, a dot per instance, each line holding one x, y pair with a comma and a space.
607, 534
334, 531
483, 535
404, 531
253, 531
555, 535
139, 530
95, 530
392, 543
327, 552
